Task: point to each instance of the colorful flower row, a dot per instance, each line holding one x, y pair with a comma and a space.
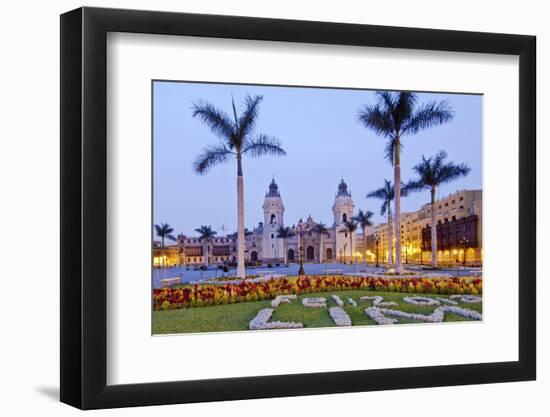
208, 295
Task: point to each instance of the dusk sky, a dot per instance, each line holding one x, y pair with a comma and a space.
324, 143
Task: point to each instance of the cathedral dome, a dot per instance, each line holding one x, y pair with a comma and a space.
343, 190
273, 189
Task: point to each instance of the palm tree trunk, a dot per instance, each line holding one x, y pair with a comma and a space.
434, 229
320, 248
397, 185
207, 249
240, 221
365, 247
285, 255
350, 247
390, 236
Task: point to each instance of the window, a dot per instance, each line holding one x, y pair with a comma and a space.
453, 202
461, 198
454, 218
273, 219
272, 236
344, 218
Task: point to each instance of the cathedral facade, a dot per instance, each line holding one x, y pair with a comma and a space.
268, 243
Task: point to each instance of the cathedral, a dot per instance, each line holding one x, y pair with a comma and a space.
266, 244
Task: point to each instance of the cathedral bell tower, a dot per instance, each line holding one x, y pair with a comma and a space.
342, 210
273, 219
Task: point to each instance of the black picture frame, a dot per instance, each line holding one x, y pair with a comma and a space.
84, 207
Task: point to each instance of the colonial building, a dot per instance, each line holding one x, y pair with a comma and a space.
458, 228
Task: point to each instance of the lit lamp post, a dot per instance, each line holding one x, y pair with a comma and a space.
463, 244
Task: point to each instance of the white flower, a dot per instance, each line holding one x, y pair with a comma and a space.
338, 300
435, 317
470, 299
282, 299
375, 314
352, 302
447, 300
339, 316
464, 312
314, 302
261, 322
421, 301
377, 301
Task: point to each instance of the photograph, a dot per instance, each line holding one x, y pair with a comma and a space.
276, 207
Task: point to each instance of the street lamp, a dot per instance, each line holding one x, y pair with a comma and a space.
463, 243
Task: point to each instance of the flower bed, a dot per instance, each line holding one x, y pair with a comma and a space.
199, 295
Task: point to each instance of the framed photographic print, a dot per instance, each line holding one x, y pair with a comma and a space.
257, 208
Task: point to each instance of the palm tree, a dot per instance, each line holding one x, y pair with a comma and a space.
350, 226
237, 140
395, 116
364, 220
433, 172
164, 231
285, 233
321, 230
387, 194
206, 233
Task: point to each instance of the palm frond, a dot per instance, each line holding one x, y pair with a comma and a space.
390, 149
404, 107
388, 100
413, 186
384, 207
158, 230
212, 156
164, 230
451, 171
350, 226
434, 171
377, 119
218, 121
247, 121
263, 145
206, 232
429, 115
364, 218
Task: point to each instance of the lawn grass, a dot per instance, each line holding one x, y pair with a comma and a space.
231, 317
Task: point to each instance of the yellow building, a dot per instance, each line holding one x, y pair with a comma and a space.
167, 256
459, 232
